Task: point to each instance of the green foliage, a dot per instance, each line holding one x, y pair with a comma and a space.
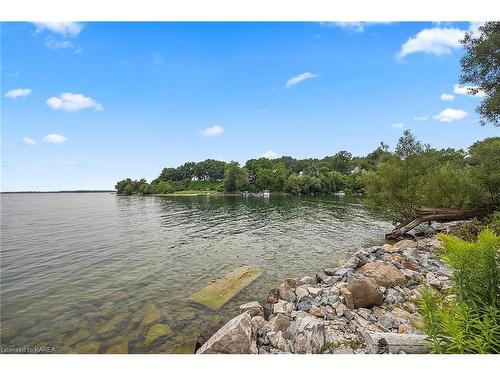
481, 69
419, 176
162, 187
468, 319
235, 177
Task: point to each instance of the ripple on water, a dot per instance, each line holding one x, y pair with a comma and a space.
80, 271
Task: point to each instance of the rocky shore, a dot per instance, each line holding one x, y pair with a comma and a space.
366, 305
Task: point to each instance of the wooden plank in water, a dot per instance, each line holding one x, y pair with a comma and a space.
219, 291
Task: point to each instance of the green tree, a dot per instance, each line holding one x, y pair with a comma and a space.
235, 177
485, 158
481, 69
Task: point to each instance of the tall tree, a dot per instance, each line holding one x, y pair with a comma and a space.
235, 177
481, 68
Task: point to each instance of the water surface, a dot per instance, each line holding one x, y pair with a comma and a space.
83, 270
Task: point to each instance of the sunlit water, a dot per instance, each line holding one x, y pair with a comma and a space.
83, 270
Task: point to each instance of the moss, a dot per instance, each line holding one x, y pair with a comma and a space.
220, 291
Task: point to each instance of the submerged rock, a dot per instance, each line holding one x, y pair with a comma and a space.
121, 348
234, 337
157, 331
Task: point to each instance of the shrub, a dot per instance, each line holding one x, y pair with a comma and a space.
468, 319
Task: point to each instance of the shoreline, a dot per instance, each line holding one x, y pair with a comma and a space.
368, 304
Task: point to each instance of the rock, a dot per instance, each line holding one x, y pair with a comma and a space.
304, 304
268, 309
279, 323
279, 342
340, 308
235, 337
363, 294
287, 295
283, 307
259, 326
302, 291
389, 248
314, 291
263, 350
152, 315
383, 273
289, 284
365, 313
317, 311
157, 331
405, 328
343, 271
87, 348
405, 244
273, 296
330, 271
443, 270
432, 280
329, 312
401, 314
121, 348
327, 280
112, 324
393, 296
409, 265
381, 289
205, 336
387, 320
254, 308
343, 349
309, 333
308, 280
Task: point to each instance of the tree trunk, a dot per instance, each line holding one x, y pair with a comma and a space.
394, 343
435, 214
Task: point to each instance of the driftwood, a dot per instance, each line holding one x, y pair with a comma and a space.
435, 214
382, 343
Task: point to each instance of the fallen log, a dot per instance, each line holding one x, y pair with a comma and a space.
435, 214
394, 343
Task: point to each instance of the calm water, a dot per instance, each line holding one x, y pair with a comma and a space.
82, 271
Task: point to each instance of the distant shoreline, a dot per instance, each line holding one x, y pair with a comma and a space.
58, 191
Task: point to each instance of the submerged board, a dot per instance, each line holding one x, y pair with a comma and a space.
219, 291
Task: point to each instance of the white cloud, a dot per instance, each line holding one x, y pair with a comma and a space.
212, 131
269, 154
70, 102
447, 97
357, 27
63, 44
17, 93
398, 125
436, 41
421, 118
63, 28
297, 79
28, 141
450, 115
54, 138
465, 90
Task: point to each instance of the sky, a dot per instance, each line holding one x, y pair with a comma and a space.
87, 104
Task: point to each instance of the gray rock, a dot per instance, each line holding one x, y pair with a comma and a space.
330, 271
348, 314
254, 308
283, 307
234, 337
387, 321
393, 296
279, 323
308, 280
340, 308
365, 313
433, 281
287, 295
309, 333
304, 304
302, 291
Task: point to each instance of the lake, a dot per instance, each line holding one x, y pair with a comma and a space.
83, 271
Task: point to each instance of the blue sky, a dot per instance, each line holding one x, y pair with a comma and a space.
84, 105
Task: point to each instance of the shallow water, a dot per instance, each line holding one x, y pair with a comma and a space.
85, 272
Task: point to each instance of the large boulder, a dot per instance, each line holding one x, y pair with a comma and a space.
235, 337
364, 294
383, 274
308, 332
279, 323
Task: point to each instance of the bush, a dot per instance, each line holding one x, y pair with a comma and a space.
468, 319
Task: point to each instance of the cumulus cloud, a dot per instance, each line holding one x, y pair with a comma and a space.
356, 27
62, 28
450, 115
447, 97
269, 154
398, 125
421, 118
299, 78
28, 141
70, 102
467, 90
212, 131
17, 93
436, 41
54, 138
